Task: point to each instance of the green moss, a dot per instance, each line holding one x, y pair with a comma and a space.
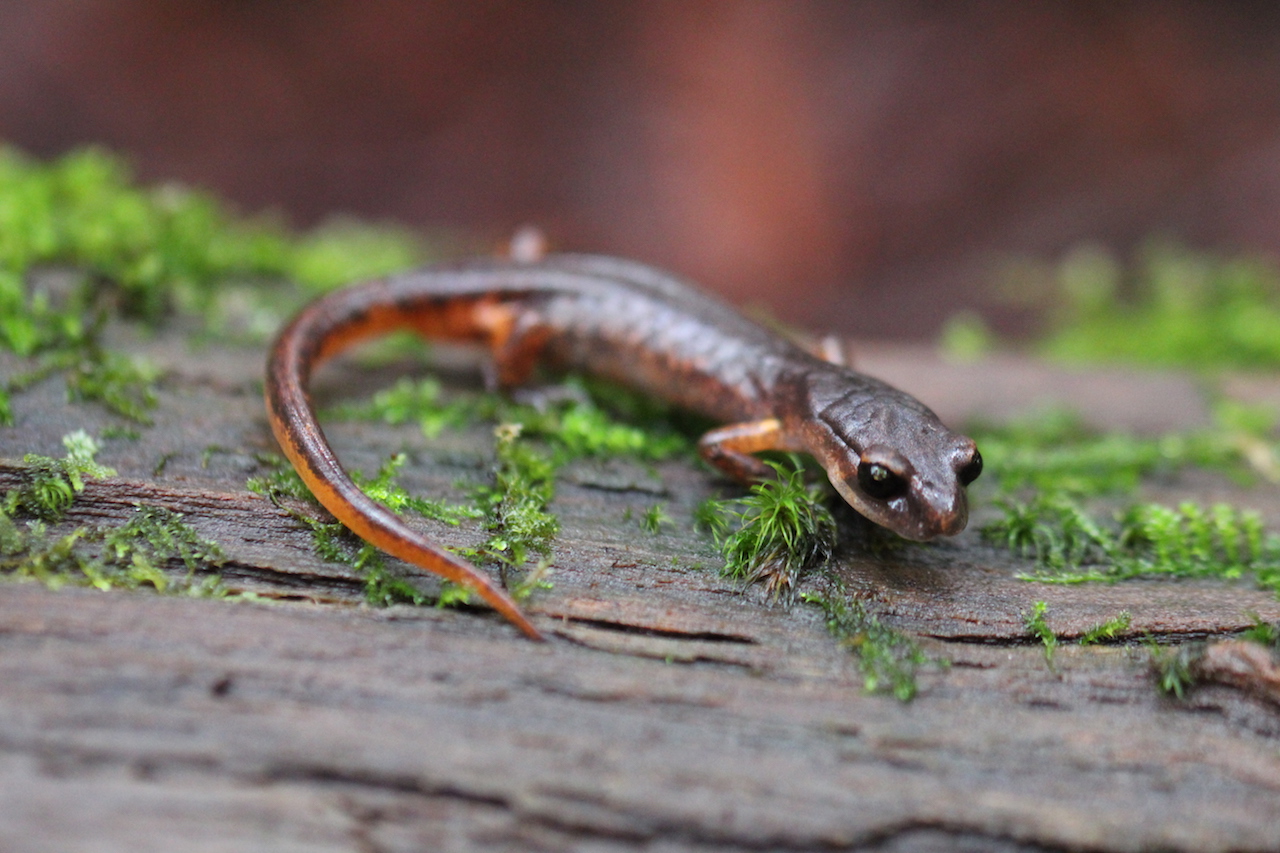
334, 542
417, 401
279, 480
654, 517
537, 578
1045, 473
143, 254
1037, 626
513, 510
1053, 451
382, 588
1071, 545
1263, 632
780, 529
1169, 306
1174, 666
965, 337
383, 488
515, 505
888, 659
532, 443
572, 421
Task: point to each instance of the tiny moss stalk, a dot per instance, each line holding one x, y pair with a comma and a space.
1038, 627
1174, 666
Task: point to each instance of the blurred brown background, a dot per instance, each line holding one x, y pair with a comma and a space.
858, 167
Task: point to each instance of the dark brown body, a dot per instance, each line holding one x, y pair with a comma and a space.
638, 326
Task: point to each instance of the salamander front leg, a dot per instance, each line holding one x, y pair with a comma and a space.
729, 448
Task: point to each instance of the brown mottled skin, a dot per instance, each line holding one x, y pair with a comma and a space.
885, 452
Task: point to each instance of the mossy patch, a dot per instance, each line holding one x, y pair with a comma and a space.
134, 554
578, 419
1170, 306
144, 254
1044, 475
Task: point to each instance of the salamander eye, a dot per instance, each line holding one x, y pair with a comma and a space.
971, 469
877, 481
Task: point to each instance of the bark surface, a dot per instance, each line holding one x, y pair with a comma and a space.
672, 709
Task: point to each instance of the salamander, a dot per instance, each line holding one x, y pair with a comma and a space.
885, 452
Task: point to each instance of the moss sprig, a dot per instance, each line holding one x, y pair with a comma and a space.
383, 489
1263, 632
1174, 666
1106, 631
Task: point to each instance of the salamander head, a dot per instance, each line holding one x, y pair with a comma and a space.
890, 457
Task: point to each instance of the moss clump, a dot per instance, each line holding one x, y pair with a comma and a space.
1263, 632
52, 484
383, 488
653, 518
512, 509
515, 505
578, 419
332, 539
1052, 451
532, 443
1174, 666
1070, 545
776, 532
1169, 306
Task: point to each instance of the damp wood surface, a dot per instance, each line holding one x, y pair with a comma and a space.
670, 710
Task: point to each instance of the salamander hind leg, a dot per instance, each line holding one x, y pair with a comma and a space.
729, 448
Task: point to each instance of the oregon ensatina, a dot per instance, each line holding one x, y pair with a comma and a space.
884, 451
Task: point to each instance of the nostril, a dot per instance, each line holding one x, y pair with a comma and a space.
971, 469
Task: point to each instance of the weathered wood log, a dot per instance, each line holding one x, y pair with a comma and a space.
671, 710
